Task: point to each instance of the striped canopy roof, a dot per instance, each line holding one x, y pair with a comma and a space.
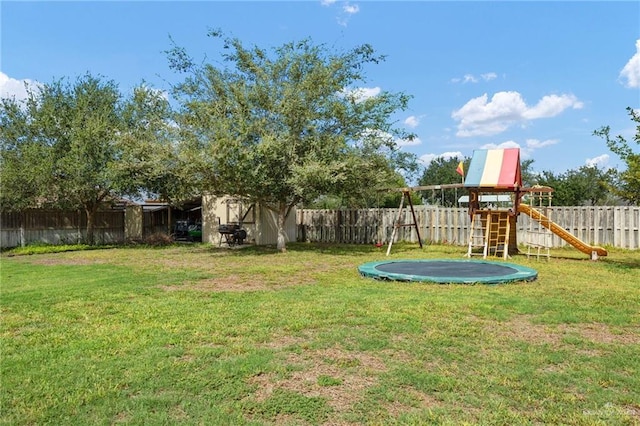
494, 168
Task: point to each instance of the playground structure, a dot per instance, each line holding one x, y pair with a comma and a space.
593, 251
493, 229
494, 174
538, 237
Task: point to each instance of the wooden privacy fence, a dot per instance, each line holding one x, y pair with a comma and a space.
59, 227
612, 226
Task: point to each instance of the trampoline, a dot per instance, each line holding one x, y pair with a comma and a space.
446, 271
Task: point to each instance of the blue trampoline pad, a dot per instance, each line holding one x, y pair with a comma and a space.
448, 271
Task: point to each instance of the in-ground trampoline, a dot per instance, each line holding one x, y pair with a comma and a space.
447, 271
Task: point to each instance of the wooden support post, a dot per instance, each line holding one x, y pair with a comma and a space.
505, 250
395, 225
405, 194
415, 221
487, 232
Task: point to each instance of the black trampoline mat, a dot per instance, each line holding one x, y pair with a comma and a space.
447, 269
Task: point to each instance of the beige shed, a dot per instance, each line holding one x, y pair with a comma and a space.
258, 221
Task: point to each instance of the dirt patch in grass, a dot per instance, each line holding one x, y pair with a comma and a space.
230, 283
601, 333
340, 377
176, 259
396, 408
336, 375
236, 283
632, 411
521, 328
285, 341
64, 261
121, 417
241, 282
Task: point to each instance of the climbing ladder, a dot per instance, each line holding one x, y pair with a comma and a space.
490, 231
538, 237
498, 233
477, 237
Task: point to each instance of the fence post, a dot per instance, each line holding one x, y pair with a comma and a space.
22, 239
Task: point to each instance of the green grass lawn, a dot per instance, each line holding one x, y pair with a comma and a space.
202, 335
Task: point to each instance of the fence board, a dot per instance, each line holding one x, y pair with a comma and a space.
606, 225
59, 227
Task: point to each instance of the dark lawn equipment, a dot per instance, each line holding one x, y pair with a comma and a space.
233, 234
185, 230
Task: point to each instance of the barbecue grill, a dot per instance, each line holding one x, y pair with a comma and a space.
233, 234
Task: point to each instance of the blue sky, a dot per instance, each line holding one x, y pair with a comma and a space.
541, 76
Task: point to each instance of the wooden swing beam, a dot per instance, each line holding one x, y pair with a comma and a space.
427, 187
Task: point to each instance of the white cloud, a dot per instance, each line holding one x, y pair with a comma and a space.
449, 155
601, 160
389, 138
361, 94
483, 117
157, 92
470, 78
489, 76
535, 143
503, 145
426, 159
351, 9
552, 105
408, 142
526, 150
12, 88
347, 10
630, 74
412, 121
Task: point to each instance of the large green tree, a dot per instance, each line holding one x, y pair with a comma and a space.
387, 197
628, 185
25, 162
287, 125
529, 177
78, 145
586, 185
148, 158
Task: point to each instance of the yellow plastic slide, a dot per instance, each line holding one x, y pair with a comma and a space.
592, 251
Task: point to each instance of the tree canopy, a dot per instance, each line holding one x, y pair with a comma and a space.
78, 145
442, 171
288, 125
586, 185
628, 183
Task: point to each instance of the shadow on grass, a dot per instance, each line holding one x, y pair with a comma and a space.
320, 248
332, 249
623, 264
618, 259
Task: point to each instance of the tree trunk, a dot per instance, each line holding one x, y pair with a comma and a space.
283, 211
91, 215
